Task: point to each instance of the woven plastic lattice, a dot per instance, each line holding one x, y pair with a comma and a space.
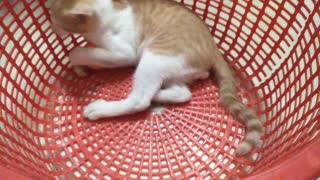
274, 45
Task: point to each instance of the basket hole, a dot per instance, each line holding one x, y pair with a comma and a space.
104, 163
112, 168
177, 173
68, 163
133, 176
204, 158
96, 170
187, 169
83, 168
203, 172
106, 177
88, 163
63, 153
75, 159
123, 173
92, 176
96, 156
77, 173
209, 177
223, 175
217, 170
212, 165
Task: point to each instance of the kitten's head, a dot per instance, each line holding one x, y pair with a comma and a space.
74, 16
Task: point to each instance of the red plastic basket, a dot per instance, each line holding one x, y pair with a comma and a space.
273, 47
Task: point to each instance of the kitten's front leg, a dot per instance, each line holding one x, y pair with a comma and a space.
145, 87
149, 76
83, 56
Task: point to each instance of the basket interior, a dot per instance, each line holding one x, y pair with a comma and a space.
272, 46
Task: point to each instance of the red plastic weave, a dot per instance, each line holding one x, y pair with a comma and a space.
272, 45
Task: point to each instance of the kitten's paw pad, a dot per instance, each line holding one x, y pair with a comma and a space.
95, 110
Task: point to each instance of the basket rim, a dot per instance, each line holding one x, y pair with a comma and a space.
303, 164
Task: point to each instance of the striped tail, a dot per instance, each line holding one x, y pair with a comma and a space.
231, 102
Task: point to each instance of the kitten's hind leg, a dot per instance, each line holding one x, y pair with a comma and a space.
174, 93
151, 72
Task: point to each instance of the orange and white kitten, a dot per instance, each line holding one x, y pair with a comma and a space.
170, 46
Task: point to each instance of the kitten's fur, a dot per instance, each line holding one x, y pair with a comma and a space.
170, 46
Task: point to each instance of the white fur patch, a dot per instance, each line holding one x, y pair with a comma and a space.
116, 29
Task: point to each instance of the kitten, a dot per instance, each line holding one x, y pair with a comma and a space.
170, 46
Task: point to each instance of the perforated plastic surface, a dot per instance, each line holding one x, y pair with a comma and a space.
272, 45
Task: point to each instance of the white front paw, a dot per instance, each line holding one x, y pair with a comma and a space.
96, 110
